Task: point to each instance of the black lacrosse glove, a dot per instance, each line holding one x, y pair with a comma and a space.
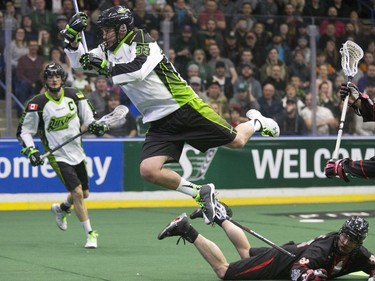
89, 62
349, 89
76, 24
98, 129
334, 168
316, 275
34, 155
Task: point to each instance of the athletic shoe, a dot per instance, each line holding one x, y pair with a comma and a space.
92, 240
61, 220
206, 199
178, 227
269, 127
222, 211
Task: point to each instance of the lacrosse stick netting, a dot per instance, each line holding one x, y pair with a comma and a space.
351, 54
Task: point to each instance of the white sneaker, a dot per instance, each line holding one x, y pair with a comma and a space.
269, 127
92, 240
61, 220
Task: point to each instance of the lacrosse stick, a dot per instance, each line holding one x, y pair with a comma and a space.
351, 54
82, 33
114, 119
261, 238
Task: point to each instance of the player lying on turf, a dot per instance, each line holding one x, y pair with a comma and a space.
363, 106
135, 62
326, 257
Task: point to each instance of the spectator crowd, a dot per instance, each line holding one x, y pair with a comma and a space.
236, 55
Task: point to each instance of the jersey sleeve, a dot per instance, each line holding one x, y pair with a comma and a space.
29, 124
146, 55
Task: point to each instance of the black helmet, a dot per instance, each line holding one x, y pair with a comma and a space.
115, 17
356, 227
54, 69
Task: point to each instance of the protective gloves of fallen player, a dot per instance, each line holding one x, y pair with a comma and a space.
349, 89
89, 62
34, 155
316, 275
98, 129
334, 168
76, 24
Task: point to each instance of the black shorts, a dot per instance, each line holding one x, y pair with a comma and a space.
72, 175
195, 123
265, 264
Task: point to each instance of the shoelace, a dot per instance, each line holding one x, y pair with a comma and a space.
183, 239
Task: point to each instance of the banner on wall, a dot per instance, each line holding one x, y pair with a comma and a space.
104, 165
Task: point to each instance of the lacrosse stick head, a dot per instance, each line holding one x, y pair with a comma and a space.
116, 118
351, 54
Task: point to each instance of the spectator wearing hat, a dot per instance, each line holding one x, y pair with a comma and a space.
199, 59
215, 56
231, 48
289, 121
217, 97
283, 49
98, 97
243, 100
195, 83
211, 11
184, 45
256, 49
225, 83
212, 35
246, 77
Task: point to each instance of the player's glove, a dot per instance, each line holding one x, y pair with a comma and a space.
76, 24
97, 128
334, 168
349, 89
34, 155
89, 61
316, 275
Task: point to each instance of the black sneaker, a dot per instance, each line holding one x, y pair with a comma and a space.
222, 211
178, 227
206, 200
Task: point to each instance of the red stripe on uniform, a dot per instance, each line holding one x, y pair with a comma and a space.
363, 171
267, 262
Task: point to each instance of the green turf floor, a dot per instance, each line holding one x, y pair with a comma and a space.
33, 248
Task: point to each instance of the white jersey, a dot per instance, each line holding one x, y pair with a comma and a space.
141, 69
55, 122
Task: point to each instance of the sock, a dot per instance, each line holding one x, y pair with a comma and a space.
188, 188
65, 206
255, 123
191, 234
87, 227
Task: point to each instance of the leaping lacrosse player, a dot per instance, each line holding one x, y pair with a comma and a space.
176, 114
55, 116
363, 106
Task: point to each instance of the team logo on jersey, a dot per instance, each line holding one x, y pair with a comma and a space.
32, 106
193, 164
304, 261
80, 95
60, 123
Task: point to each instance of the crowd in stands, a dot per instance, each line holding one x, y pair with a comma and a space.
236, 55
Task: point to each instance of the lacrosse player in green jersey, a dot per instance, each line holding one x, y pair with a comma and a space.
55, 116
176, 115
